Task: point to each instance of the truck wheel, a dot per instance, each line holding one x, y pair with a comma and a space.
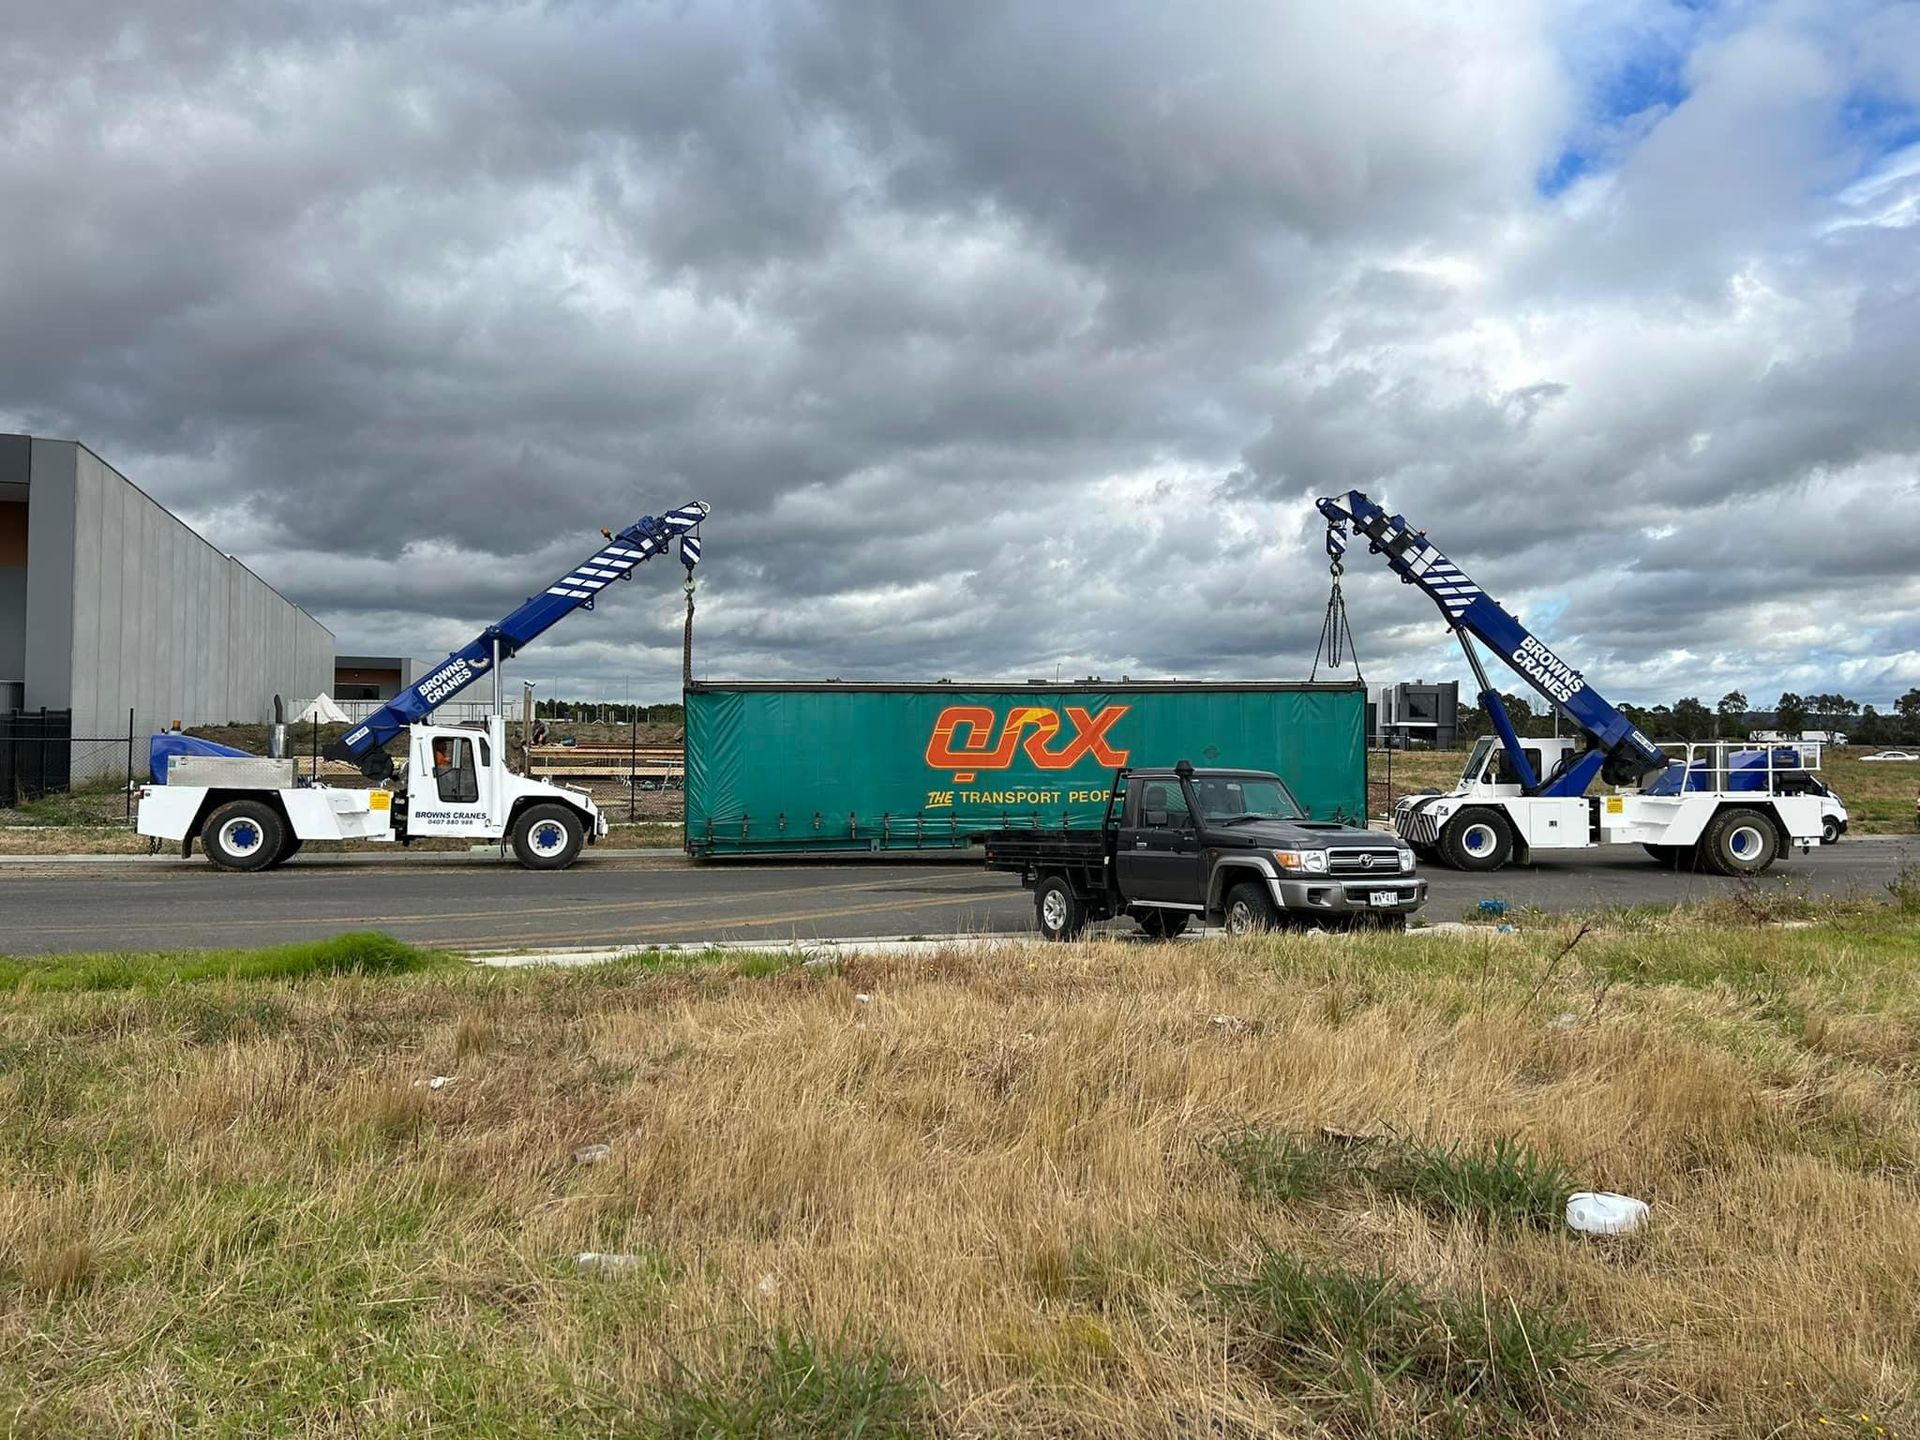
289, 848
243, 835
1739, 842
547, 837
1250, 909
1162, 924
1829, 831
1477, 839
1058, 909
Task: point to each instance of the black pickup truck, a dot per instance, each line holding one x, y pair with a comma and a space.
1228, 847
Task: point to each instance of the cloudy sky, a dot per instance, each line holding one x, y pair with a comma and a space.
1001, 336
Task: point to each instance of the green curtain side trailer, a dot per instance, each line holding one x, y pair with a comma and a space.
782, 768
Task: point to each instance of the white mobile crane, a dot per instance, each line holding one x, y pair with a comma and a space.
1730, 809
253, 814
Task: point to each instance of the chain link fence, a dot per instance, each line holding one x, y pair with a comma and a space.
52, 776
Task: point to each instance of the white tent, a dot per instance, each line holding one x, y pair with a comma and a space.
324, 711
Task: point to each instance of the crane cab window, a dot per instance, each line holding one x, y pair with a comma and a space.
1503, 772
454, 777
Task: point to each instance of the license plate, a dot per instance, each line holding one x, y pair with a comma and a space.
1383, 897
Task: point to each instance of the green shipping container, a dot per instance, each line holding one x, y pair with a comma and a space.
775, 768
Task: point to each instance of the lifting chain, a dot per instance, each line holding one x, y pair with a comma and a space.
1336, 637
686, 639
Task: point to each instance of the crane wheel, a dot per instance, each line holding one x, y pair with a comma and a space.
289, 847
244, 835
1739, 842
548, 837
1477, 839
1058, 910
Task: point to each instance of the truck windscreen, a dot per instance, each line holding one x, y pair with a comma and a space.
1246, 797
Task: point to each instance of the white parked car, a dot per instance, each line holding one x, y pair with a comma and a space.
1892, 755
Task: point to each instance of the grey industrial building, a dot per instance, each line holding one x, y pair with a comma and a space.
110, 604
365, 678
1415, 713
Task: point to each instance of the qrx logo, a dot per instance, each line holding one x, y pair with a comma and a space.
963, 739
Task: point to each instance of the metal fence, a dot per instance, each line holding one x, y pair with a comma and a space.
1383, 790
68, 778
453, 712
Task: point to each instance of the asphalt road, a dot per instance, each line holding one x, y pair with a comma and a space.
472, 902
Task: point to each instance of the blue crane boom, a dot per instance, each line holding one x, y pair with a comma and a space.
1617, 751
576, 590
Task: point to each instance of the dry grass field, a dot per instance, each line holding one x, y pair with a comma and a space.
1298, 1186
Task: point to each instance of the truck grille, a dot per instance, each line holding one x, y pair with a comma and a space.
1363, 862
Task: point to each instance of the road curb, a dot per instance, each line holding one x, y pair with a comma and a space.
822, 952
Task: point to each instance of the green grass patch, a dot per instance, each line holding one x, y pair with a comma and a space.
1504, 1182
1903, 891
791, 1388
361, 953
1365, 1348
1285, 1167
94, 803
745, 964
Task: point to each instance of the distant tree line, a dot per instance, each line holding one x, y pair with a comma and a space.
1729, 718
601, 712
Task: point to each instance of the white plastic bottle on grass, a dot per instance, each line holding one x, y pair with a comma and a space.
1599, 1212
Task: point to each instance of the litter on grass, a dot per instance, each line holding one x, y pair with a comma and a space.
591, 1262
1598, 1212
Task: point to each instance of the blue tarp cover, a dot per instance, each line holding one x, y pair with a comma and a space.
171, 744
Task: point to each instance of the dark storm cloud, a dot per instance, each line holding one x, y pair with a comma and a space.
1002, 336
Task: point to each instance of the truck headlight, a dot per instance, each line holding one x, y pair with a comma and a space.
1406, 858
1314, 862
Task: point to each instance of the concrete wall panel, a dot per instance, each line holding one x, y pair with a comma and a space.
162, 622
89, 523
50, 557
13, 590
